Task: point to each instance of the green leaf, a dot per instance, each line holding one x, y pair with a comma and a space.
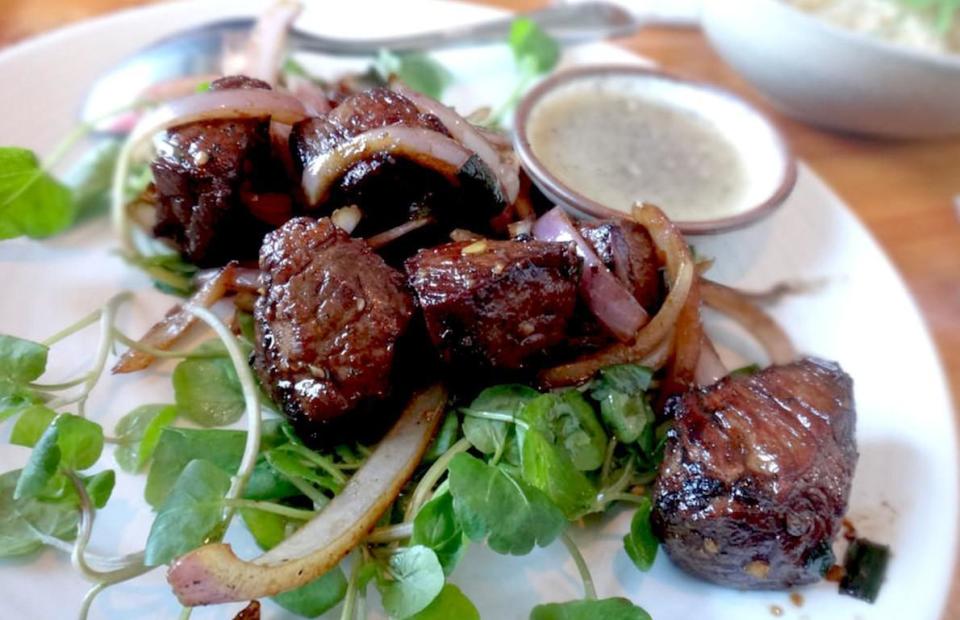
190, 515
15, 398
21, 361
32, 203
317, 596
291, 465
81, 441
138, 433
446, 437
605, 609
31, 424
414, 578
451, 604
267, 528
436, 527
41, 466
418, 71
208, 391
550, 470
23, 520
490, 503
489, 436
100, 486
621, 392
93, 178
266, 484
568, 421
533, 49
640, 543
179, 446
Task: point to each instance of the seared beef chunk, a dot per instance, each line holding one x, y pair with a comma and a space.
390, 189
238, 82
327, 323
496, 304
627, 250
212, 177
756, 475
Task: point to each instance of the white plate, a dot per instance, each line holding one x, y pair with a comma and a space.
905, 491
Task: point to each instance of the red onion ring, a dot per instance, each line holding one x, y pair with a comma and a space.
424, 146
607, 297
470, 137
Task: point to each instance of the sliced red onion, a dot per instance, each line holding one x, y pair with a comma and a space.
220, 104
429, 148
469, 136
312, 96
267, 44
608, 299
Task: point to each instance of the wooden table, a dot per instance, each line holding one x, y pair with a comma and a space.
907, 193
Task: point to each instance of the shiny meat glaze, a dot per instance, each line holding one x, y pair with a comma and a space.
496, 304
756, 475
627, 250
327, 323
208, 175
391, 190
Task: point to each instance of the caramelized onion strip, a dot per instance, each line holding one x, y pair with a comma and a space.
214, 574
178, 320
739, 307
676, 257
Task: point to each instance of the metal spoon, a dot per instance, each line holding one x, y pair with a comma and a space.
200, 50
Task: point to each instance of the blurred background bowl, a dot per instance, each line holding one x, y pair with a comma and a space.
833, 77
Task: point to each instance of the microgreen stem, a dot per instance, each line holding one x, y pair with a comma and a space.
350, 598
251, 397
272, 507
108, 315
320, 461
155, 352
492, 415
129, 566
589, 591
54, 387
319, 499
391, 533
432, 476
608, 460
88, 599
626, 497
90, 319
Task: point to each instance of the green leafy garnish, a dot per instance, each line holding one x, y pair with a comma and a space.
640, 543
138, 432
490, 436
191, 513
178, 446
413, 579
450, 604
864, 568
317, 596
418, 71
533, 49
24, 521
68, 442
436, 527
267, 528
32, 203
621, 392
944, 11
607, 609
41, 466
208, 391
567, 420
492, 504
21, 361
31, 424
551, 470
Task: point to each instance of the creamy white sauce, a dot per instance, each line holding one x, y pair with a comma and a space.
618, 148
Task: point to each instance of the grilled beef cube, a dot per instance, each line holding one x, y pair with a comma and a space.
327, 323
212, 178
496, 304
756, 475
391, 189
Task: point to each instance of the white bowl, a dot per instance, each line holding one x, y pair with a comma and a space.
836, 78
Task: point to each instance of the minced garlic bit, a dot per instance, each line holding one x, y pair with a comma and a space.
475, 248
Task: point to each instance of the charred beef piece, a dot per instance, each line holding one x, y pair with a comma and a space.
389, 189
327, 324
756, 475
496, 304
219, 186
